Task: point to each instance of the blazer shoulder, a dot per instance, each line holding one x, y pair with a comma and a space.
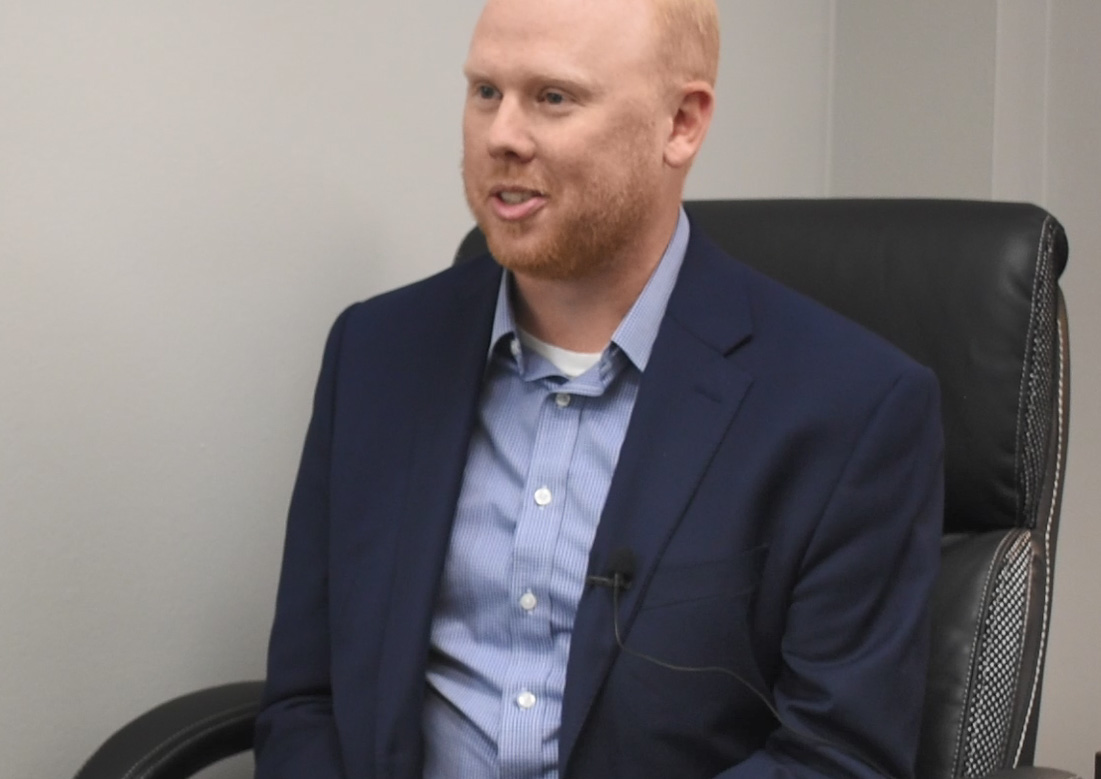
410, 326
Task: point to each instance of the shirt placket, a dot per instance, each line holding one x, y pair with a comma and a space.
530, 709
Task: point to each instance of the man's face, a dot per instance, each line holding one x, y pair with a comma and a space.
563, 132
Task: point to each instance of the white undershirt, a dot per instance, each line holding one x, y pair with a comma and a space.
572, 364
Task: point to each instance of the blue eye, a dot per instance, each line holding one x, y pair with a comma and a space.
486, 92
554, 98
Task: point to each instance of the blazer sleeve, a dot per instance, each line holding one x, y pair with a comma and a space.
295, 731
855, 645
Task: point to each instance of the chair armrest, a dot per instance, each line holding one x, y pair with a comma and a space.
181, 737
1030, 772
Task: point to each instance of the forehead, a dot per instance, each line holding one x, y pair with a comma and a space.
582, 37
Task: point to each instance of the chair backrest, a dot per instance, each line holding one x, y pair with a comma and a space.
971, 290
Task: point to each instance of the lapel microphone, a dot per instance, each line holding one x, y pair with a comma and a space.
621, 571
620, 574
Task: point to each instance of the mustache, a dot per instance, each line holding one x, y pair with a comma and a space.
502, 178
498, 188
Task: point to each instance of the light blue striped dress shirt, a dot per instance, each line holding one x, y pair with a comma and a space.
539, 466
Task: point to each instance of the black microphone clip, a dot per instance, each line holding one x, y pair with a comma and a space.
621, 571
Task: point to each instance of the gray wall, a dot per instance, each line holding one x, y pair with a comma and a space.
189, 193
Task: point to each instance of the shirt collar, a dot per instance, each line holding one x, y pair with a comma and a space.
637, 332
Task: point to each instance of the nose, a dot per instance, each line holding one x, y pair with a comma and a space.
510, 132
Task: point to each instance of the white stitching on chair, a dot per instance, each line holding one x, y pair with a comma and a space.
1048, 567
988, 739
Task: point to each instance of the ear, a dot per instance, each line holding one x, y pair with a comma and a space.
690, 123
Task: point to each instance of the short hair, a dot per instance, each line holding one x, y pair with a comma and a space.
688, 38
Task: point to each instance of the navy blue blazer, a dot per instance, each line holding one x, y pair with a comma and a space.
780, 485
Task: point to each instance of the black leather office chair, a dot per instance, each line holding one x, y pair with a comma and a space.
967, 288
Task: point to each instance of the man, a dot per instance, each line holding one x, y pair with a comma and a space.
626, 509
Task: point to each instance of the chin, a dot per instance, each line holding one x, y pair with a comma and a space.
521, 247
530, 258
546, 261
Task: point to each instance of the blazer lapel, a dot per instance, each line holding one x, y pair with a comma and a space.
688, 397
446, 377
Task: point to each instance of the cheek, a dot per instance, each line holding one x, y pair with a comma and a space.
469, 140
475, 161
475, 131
582, 160
624, 148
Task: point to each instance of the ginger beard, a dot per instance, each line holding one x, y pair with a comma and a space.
589, 221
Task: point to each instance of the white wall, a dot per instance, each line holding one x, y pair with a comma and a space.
189, 193
913, 99
769, 140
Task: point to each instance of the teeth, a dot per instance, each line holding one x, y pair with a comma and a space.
516, 198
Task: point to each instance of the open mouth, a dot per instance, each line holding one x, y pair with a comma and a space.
515, 198
516, 203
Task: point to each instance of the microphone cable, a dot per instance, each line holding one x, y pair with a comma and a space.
621, 580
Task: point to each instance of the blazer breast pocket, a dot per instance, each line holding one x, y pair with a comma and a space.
694, 614
679, 582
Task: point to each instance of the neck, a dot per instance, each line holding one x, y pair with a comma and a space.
582, 314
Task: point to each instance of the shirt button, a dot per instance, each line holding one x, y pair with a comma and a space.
542, 497
514, 347
528, 601
525, 700
562, 399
